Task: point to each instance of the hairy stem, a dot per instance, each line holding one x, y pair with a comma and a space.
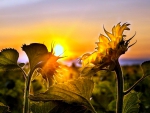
26, 92
26, 100
24, 73
134, 85
120, 87
26, 108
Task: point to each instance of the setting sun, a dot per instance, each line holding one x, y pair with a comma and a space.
59, 50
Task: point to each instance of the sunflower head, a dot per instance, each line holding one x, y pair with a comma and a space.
110, 47
49, 67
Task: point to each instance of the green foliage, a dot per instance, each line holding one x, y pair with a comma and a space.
87, 71
36, 53
8, 59
12, 90
11, 84
42, 107
74, 91
131, 75
57, 107
146, 68
131, 103
3, 108
104, 92
112, 106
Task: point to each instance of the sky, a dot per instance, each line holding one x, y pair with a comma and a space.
74, 24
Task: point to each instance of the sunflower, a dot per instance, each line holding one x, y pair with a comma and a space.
109, 48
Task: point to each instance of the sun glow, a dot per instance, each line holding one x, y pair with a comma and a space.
59, 50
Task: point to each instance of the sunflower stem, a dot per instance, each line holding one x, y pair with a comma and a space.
120, 88
26, 100
26, 108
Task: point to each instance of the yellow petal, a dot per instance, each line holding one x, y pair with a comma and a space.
112, 44
114, 31
92, 58
102, 47
111, 36
123, 27
119, 39
85, 56
117, 29
103, 38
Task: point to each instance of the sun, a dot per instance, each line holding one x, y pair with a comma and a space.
58, 49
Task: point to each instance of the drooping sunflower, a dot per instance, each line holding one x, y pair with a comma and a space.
109, 48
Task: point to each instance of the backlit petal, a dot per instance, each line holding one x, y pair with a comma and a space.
103, 38
111, 36
123, 27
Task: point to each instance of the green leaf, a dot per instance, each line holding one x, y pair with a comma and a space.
8, 59
57, 107
3, 108
69, 108
112, 105
42, 107
146, 67
131, 103
87, 72
74, 91
36, 53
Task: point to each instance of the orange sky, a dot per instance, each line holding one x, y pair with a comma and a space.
75, 25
